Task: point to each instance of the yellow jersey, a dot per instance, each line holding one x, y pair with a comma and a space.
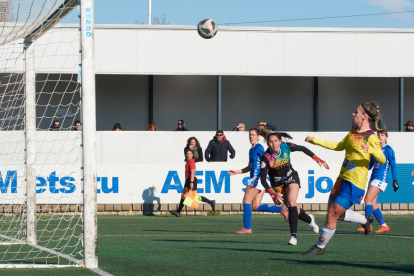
355, 166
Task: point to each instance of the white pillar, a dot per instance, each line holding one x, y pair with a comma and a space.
149, 12
30, 130
89, 129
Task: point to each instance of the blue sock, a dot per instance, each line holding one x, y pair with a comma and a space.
368, 210
269, 208
247, 216
378, 216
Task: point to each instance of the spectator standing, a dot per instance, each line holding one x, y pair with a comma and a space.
409, 126
152, 126
55, 126
266, 125
194, 145
117, 127
218, 147
181, 126
77, 126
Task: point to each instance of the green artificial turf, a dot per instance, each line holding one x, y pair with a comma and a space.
207, 245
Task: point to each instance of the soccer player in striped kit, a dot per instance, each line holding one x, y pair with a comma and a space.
378, 183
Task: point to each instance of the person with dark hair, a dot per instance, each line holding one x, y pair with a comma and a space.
254, 190
117, 127
191, 184
378, 182
55, 126
78, 126
266, 125
409, 126
276, 162
360, 144
218, 147
194, 145
181, 126
152, 126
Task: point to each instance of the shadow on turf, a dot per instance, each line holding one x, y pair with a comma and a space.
210, 241
396, 268
250, 250
185, 231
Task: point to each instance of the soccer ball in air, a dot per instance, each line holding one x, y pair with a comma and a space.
207, 28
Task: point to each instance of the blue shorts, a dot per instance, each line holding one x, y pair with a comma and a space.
347, 195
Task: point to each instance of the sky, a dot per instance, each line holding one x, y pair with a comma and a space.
229, 12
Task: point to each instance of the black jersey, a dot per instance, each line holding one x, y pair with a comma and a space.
279, 166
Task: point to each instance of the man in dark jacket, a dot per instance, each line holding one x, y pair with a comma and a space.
181, 126
218, 147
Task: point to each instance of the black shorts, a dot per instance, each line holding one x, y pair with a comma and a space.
292, 178
188, 183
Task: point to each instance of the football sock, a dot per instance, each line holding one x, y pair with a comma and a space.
293, 220
180, 207
206, 200
304, 217
351, 216
269, 208
378, 216
247, 216
369, 210
325, 236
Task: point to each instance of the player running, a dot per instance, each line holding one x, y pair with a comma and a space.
254, 190
276, 162
360, 144
190, 183
378, 182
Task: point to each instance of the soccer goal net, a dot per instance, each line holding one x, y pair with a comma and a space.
42, 177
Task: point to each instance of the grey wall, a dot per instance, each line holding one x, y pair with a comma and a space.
408, 99
286, 102
122, 99
339, 97
190, 98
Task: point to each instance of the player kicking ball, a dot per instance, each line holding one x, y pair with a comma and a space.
378, 183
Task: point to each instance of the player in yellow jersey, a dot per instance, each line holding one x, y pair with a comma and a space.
360, 144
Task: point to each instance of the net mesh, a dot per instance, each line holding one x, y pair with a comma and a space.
58, 158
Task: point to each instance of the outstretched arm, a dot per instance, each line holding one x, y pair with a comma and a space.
327, 144
244, 170
308, 152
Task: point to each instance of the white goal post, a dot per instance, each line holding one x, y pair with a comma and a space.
48, 199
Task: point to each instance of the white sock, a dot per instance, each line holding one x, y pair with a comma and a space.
325, 236
384, 224
351, 216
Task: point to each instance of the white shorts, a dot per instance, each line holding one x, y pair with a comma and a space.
254, 182
382, 185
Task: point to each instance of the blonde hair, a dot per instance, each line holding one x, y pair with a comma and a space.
242, 125
372, 110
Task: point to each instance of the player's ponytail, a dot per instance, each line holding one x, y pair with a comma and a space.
372, 110
264, 132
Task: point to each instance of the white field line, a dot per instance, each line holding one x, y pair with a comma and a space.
100, 272
234, 235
